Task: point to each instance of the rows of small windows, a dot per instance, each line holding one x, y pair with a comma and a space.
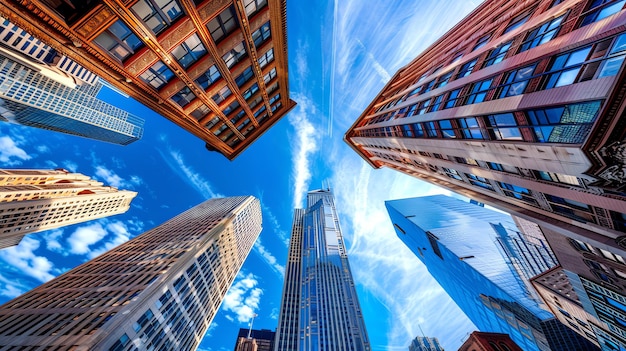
543, 33
599, 60
609, 305
604, 265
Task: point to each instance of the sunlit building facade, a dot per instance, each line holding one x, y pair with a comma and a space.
519, 106
319, 309
424, 343
33, 200
158, 291
216, 68
457, 243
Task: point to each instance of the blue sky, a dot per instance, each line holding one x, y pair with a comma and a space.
340, 55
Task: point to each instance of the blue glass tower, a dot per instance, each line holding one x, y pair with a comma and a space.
424, 343
457, 243
319, 309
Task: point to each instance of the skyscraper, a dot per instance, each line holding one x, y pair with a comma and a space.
423, 343
518, 106
489, 341
319, 308
457, 243
255, 340
217, 69
36, 200
158, 291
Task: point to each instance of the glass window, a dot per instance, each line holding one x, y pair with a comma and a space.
436, 103
496, 55
209, 77
478, 93
515, 81
158, 75
251, 91
428, 86
600, 9
542, 34
570, 208
221, 95
183, 97
568, 124
503, 127
452, 98
157, 14
269, 76
431, 130
482, 41
224, 24
234, 55
119, 41
565, 68
245, 76
189, 51
466, 69
260, 35
479, 181
446, 129
230, 108
470, 128
200, 112
253, 6
443, 80
266, 58
517, 22
518, 192
612, 65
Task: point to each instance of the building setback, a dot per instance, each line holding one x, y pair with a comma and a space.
519, 106
36, 200
159, 290
319, 309
216, 68
457, 243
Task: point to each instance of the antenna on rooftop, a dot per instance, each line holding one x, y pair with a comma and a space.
421, 331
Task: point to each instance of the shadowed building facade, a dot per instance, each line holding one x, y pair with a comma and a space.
33, 200
520, 106
319, 308
424, 343
255, 340
216, 68
159, 290
489, 341
457, 243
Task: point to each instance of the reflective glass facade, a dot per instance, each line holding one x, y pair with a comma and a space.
319, 309
456, 242
423, 343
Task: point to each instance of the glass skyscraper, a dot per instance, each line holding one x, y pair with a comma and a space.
457, 243
423, 343
158, 291
319, 309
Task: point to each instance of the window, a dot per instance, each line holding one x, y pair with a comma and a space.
482, 41
568, 124
479, 181
200, 112
452, 98
443, 80
158, 75
428, 86
266, 58
232, 107
234, 55
457, 57
436, 103
616, 55
600, 9
224, 24
517, 192
183, 97
446, 128
269, 76
253, 6
451, 173
245, 76
503, 127
466, 69
189, 51
157, 14
470, 129
517, 22
221, 95
119, 41
260, 35
515, 81
209, 77
431, 130
565, 68
543, 34
249, 92
570, 208
120, 344
496, 55
478, 93
274, 99
557, 177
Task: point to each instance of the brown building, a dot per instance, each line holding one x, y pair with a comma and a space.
216, 68
255, 340
479, 341
520, 106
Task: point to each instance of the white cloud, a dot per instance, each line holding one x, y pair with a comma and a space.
10, 152
12, 287
268, 258
274, 314
101, 236
10, 291
53, 243
86, 236
305, 144
23, 257
270, 218
243, 298
70, 165
42, 148
109, 177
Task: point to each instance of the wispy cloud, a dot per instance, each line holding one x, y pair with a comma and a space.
70, 165
268, 257
113, 179
100, 236
305, 144
10, 152
270, 218
243, 298
23, 257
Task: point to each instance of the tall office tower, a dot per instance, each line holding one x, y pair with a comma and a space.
457, 243
597, 274
36, 200
319, 309
423, 343
255, 340
489, 341
519, 106
158, 291
37, 95
558, 293
216, 68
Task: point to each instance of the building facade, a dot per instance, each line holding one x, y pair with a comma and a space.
37, 200
457, 243
424, 343
255, 340
489, 341
159, 290
319, 309
216, 68
519, 106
